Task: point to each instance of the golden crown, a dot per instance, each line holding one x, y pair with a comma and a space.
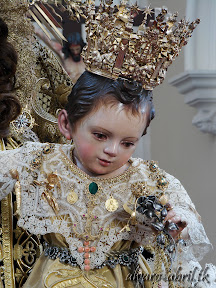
113, 50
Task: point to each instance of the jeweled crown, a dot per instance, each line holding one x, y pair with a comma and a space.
114, 50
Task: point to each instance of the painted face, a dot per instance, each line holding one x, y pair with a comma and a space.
75, 51
105, 140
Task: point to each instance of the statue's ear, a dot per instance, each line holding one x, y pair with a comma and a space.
64, 124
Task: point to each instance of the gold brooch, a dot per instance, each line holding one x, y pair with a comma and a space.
111, 204
72, 197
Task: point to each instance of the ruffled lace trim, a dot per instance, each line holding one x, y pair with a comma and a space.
38, 217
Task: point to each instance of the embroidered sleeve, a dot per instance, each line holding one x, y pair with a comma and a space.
198, 243
9, 161
153, 184
12, 164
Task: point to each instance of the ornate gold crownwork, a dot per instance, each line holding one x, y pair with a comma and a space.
113, 50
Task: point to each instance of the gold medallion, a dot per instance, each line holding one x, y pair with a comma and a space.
72, 197
111, 204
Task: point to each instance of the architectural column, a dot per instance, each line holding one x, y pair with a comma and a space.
198, 82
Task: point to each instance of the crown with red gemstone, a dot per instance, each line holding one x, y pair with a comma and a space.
114, 50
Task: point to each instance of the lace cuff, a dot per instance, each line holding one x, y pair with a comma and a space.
198, 243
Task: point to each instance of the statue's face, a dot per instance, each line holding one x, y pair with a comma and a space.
75, 51
106, 138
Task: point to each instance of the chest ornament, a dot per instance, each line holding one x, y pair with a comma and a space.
52, 180
72, 197
111, 204
156, 174
93, 188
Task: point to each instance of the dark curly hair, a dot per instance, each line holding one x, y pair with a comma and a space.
91, 89
10, 106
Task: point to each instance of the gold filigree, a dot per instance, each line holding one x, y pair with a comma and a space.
153, 167
7, 241
53, 86
162, 183
75, 277
18, 251
139, 188
52, 180
18, 275
29, 252
23, 122
47, 194
7, 238
48, 148
34, 62
21, 33
125, 176
158, 175
12, 247
37, 160
113, 50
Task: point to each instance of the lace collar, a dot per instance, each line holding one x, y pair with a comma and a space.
77, 171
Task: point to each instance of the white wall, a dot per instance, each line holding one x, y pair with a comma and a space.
181, 149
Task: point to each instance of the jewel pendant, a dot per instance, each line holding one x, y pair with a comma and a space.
93, 188
111, 204
72, 197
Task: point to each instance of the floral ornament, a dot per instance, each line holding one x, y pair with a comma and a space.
52, 180
158, 175
37, 160
24, 121
152, 208
139, 188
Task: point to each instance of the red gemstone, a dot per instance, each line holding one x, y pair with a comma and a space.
93, 249
87, 268
80, 249
86, 255
86, 261
87, 249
